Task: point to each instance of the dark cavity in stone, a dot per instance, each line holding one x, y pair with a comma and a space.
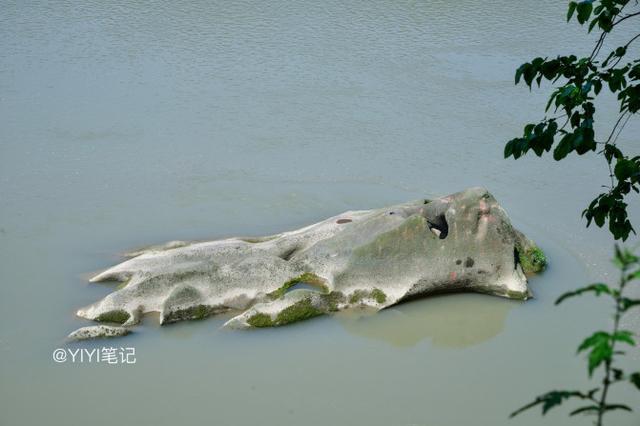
440, 224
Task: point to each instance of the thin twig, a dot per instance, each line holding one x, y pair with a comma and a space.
625, 47
597, 47
606, 382
620, 130
615, 126
631, 15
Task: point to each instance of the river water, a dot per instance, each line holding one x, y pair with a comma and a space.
131, 123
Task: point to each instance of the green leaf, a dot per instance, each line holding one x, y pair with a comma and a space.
564, 147
617, 374
551, 69
610, 407
598, 289
624, 336
621, 51
572, 8
584, 410
626, 303
508, 149
601, 350
519, 72
528, 129
597, 86
595, 339
611, 152
550, 400
584, 11
551, 99
634, 275
624, 257
635, 379
625, 169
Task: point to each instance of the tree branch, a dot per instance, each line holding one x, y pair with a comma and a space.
631, 15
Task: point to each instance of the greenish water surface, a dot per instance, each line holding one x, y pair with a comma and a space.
126, 123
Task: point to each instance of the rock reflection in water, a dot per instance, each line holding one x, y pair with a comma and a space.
452, 321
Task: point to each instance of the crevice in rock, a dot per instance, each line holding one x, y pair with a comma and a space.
256, 240
439, 226
288, 254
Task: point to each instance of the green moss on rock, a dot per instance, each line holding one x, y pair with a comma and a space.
357, 296
306, 278
532, 259
376, 294
379, 295
197, 312
299, 311
118, 316
517, 295
260, 320
333, 299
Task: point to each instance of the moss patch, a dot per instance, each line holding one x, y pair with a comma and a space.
118, 316
378, 295
260, 320
532, 260
333, 299
517, 295
299, 311
197, 312
357, 296
201, 312
307, 278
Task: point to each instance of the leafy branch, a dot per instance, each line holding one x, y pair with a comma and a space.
578, 82
601, 347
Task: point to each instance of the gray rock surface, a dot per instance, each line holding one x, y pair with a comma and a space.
97, 331
374, 258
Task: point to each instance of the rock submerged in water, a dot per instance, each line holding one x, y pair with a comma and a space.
375, 258
97, 331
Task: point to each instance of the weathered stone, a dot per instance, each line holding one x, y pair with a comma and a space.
376, 258
96, 331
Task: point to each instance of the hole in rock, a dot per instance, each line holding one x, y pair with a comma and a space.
438, 225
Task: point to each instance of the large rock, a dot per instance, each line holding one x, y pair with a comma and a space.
377, 258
